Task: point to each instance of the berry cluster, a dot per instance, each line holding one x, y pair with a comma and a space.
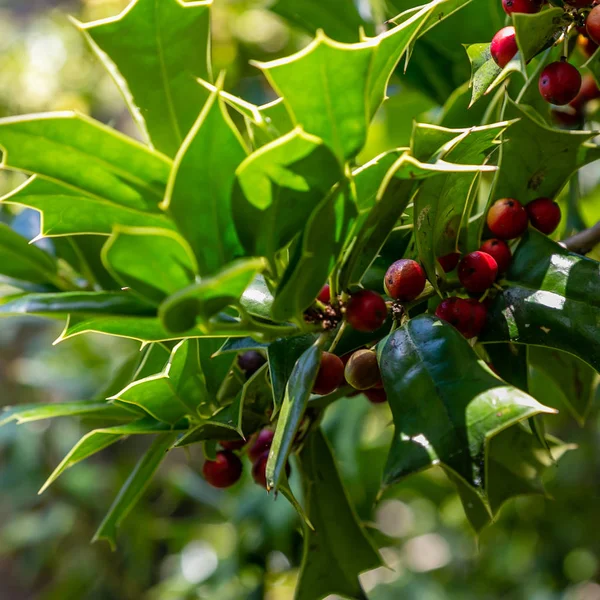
560, 83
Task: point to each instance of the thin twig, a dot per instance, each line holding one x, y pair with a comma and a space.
584, 241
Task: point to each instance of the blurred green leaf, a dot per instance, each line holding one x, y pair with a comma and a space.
174, 39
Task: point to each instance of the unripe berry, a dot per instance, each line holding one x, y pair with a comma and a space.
507, 219
362, 371
521, 6
467, 316
325, 294
559, 83
449, 262
259, 469
477, 271
499, 251
404, 280
592, 24
262, 443
233, 444
250, 362
224, 471
504, 46
330, 375
366, 311
544, 215
376, 396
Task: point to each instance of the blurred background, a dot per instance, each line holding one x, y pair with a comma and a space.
186, 540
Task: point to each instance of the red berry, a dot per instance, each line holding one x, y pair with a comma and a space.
224, 471
404, 280
259, 469
571, 119
467, 316
376, 396
325, 294
507, 219
449, 261
261, 443
330, 375
560, 83
251, 361
362, 371
521, 6
504, 46
544, 215
233, 444
477, 271
499, 251
592, 24
366, 311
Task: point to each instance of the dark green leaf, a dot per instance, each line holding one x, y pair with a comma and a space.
338, 550
160, 90
446, 403
536, 32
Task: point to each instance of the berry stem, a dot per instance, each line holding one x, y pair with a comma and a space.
338, 336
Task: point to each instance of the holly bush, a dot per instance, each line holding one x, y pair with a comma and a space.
270, 268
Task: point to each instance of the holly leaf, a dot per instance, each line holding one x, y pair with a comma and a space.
278, 187
446, 404
201, 185
297, 393
536, 32
338, 550
552, 301
174, 38
177, 392
133, 488
153, 263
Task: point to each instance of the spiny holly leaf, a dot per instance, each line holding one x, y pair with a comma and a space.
23, 261
516, 464
199, 302
283, 355
297, 392
153, 263
446, 404
552, 301
278, 187
393, 196
341, 21
338, 550
240, 345
179, 391
312, 81
172, 36
199, 192
133, 488
98, 439
315, 255
442, 202
26, 413
86, 156
536, 32
570, 379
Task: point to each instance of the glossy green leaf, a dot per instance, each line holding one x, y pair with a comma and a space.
89, 158
315, 255
172, 36
257, 299
283, 355
133, 488
26, 413
536, 32
341, 20
240, 345
98, 439
153, 263
338, 550
446, 404
200, 187
297, 392
278, 187
552, 301
199, 302
175, 393
21, 260
442, 202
